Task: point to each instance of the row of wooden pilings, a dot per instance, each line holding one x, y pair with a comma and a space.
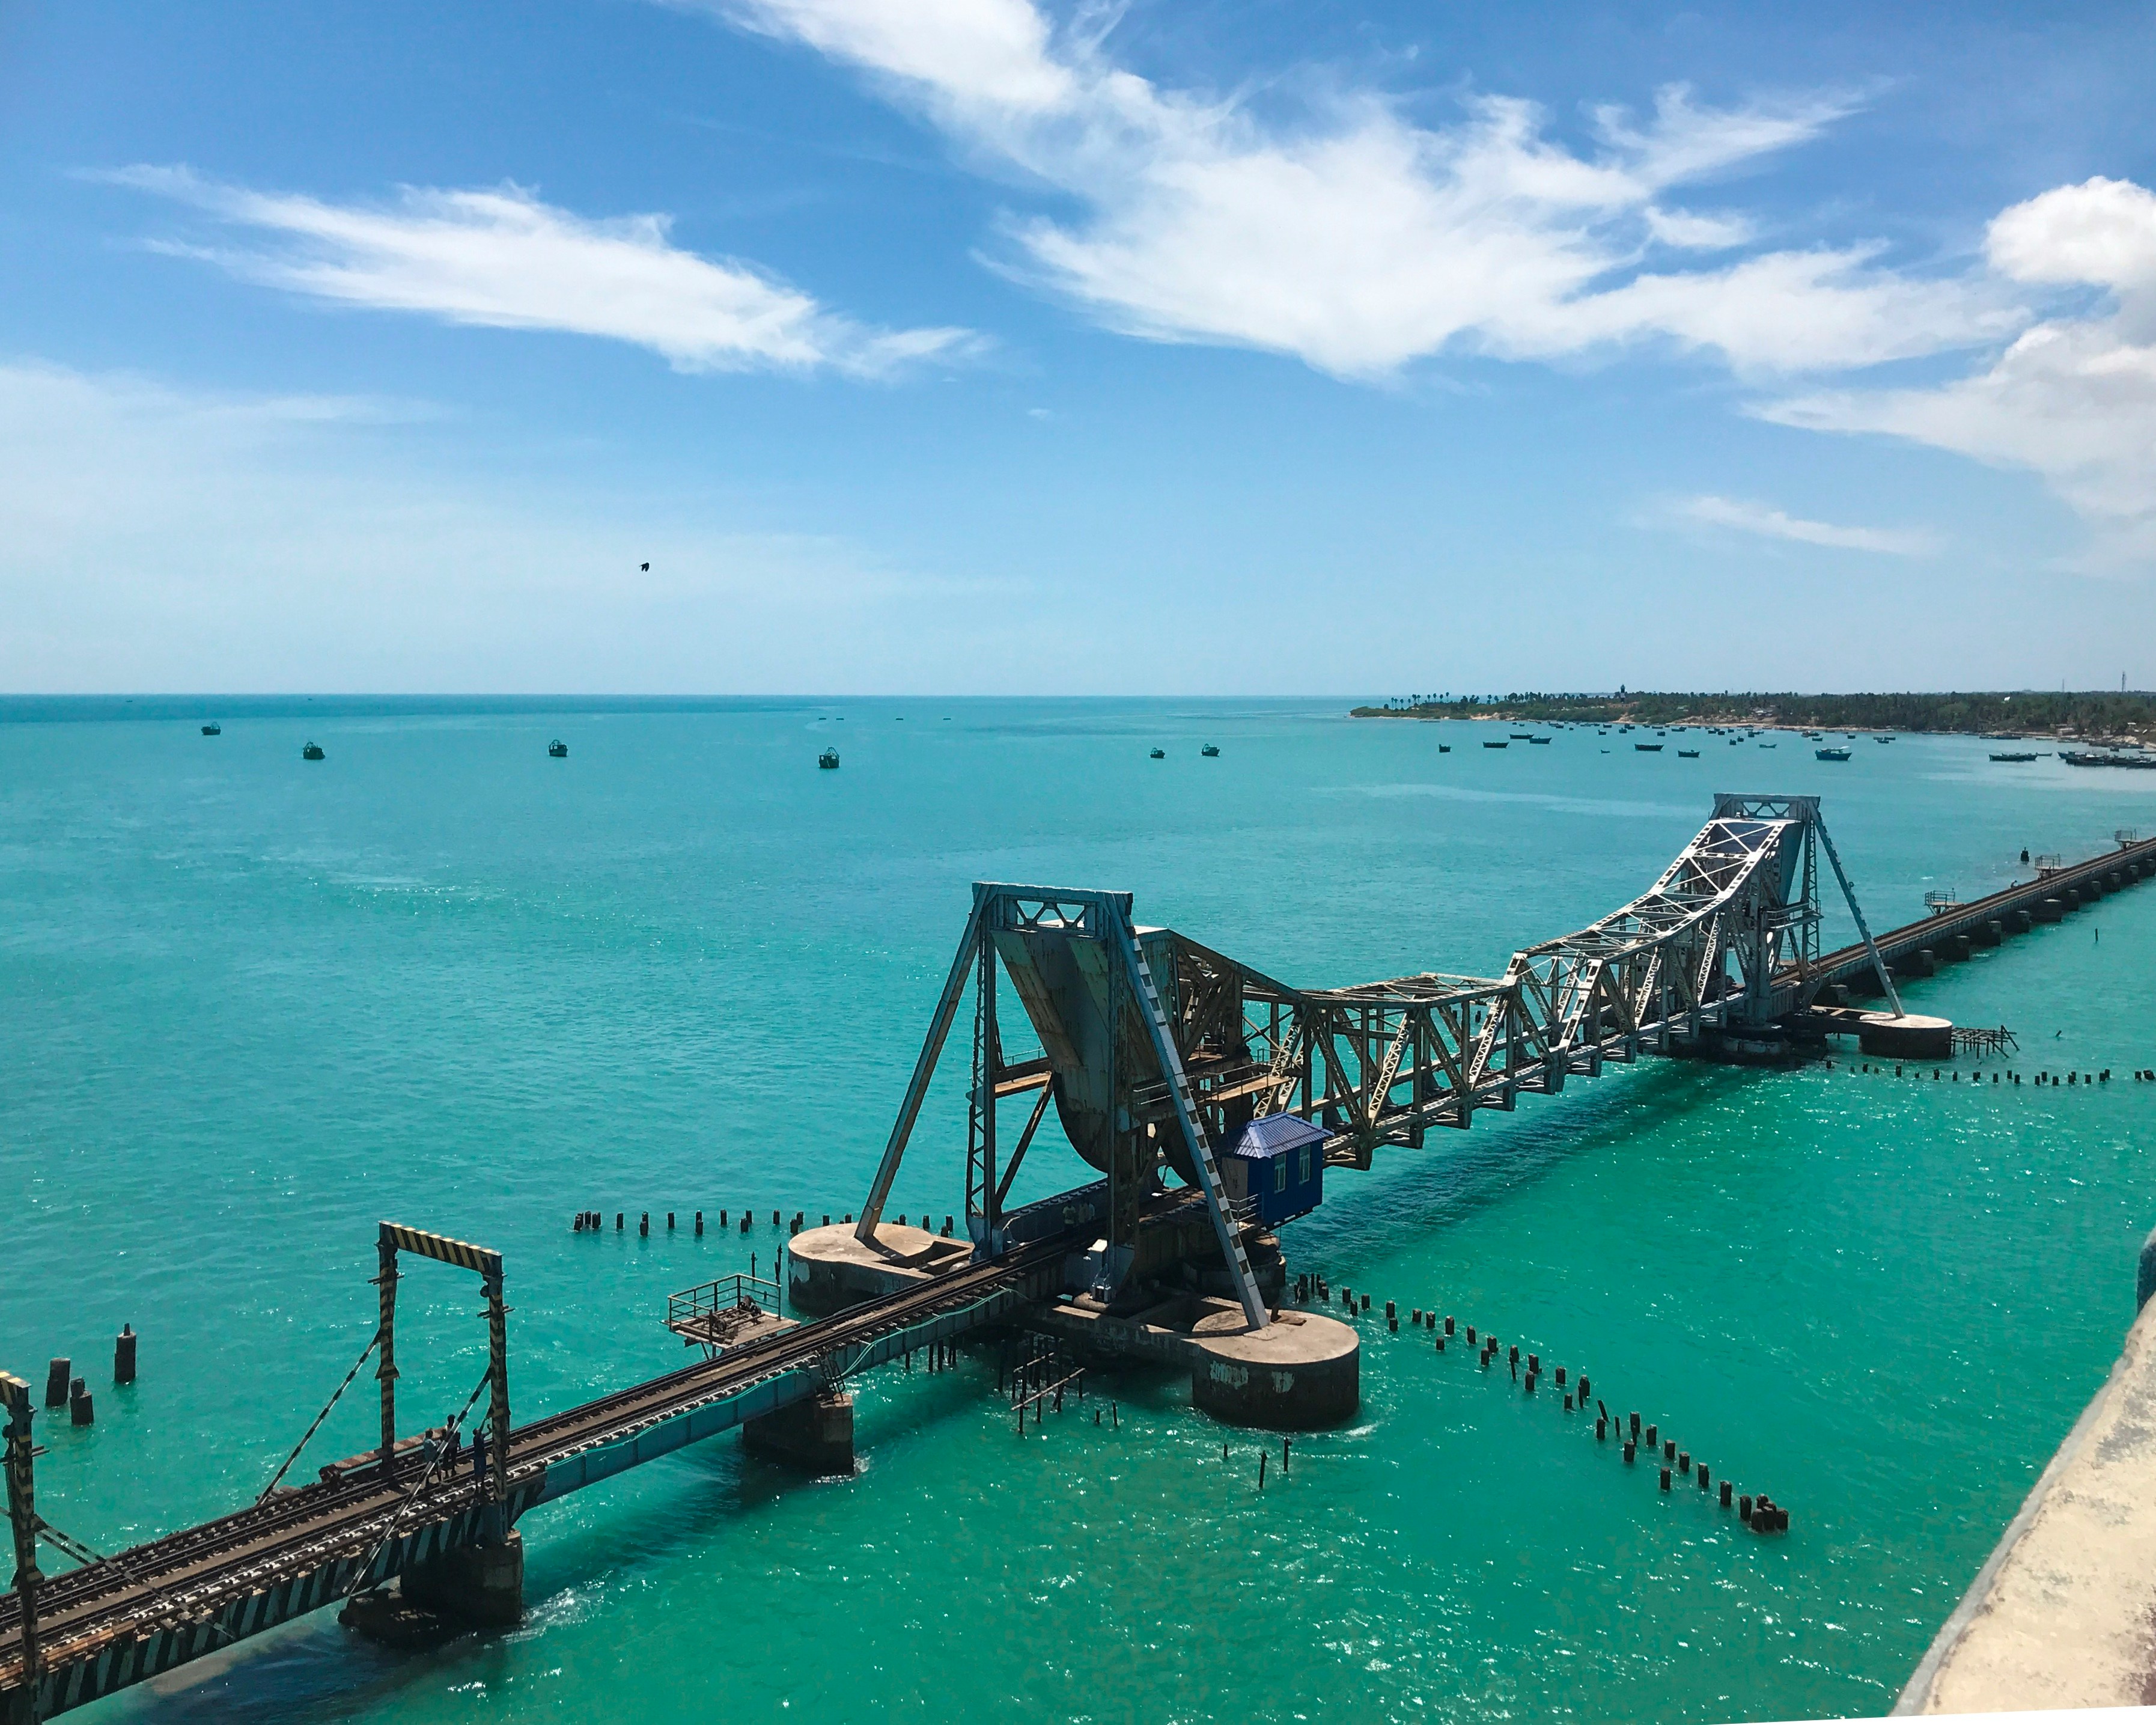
63, 1390
1762, 1514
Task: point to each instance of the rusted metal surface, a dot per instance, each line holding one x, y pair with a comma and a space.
715, 1315
109, 1625
1156, 1047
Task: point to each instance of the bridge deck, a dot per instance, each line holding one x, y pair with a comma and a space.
1896, 943
111, 1623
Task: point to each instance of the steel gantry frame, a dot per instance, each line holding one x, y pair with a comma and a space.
1726, 942
1126, 1003
394, 1238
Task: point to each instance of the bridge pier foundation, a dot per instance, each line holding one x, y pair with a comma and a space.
1911, 1037
1301, 1373
816, 1434
478, 1584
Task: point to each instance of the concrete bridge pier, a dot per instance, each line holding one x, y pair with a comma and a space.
1913, 1036
816, 1434
482, 1585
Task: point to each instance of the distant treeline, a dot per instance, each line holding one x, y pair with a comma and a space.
2022, 710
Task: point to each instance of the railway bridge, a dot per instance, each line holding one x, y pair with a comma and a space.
1211, 1097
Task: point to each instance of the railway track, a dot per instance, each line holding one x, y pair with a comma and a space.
1896, 941
187, 1578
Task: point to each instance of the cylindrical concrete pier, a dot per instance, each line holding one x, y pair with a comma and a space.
1287, 1376
1911, 1037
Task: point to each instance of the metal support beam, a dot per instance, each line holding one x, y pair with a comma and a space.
386, 1372
497, 1417
1025, 1140
1194, 1130
987, 1072
1848, 892
23, 1519
924, 1069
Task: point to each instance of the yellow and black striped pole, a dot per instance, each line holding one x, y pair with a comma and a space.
22, 1517
386, 1373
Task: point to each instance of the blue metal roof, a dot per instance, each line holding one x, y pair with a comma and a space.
1268, 1136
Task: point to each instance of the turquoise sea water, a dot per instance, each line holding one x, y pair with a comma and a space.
255, 1004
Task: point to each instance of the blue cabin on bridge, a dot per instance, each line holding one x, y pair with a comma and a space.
1278, 1163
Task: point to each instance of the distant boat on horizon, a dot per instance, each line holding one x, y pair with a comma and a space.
558, 750
312, 751
828, 760
2090, 758
2015, 756
1830, 754
213, 729
1648, 748
1688, 754
1489, 745
1210, 750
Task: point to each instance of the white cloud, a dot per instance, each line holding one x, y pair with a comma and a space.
2072, 398
502, 258
1359, 241
1769, 523
1692, 232
161, 538
2102, 231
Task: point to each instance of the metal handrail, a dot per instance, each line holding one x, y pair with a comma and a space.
712, 1308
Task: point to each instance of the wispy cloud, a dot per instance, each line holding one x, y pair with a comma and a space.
161, 537
1360, 241
504, 259
1771, 523
2073, 398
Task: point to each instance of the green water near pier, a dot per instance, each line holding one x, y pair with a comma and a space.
256, 1005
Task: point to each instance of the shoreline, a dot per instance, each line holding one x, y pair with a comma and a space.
2115, 720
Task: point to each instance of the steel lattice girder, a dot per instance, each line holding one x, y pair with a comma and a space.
1742, 895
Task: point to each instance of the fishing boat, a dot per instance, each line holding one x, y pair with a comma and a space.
1520, 737
1210, 750
1648, 748
1882, 739
1688, 754
558, 750
1770, 745
2090, 757
1488, 744
828, 759
213, 729
1830, 754
312, 751
1160, 754
2014, 755
1538, 739
1444, 748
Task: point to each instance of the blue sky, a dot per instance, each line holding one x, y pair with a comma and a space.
985, 345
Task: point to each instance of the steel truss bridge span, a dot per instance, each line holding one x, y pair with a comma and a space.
1157, 1049
1726, 942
